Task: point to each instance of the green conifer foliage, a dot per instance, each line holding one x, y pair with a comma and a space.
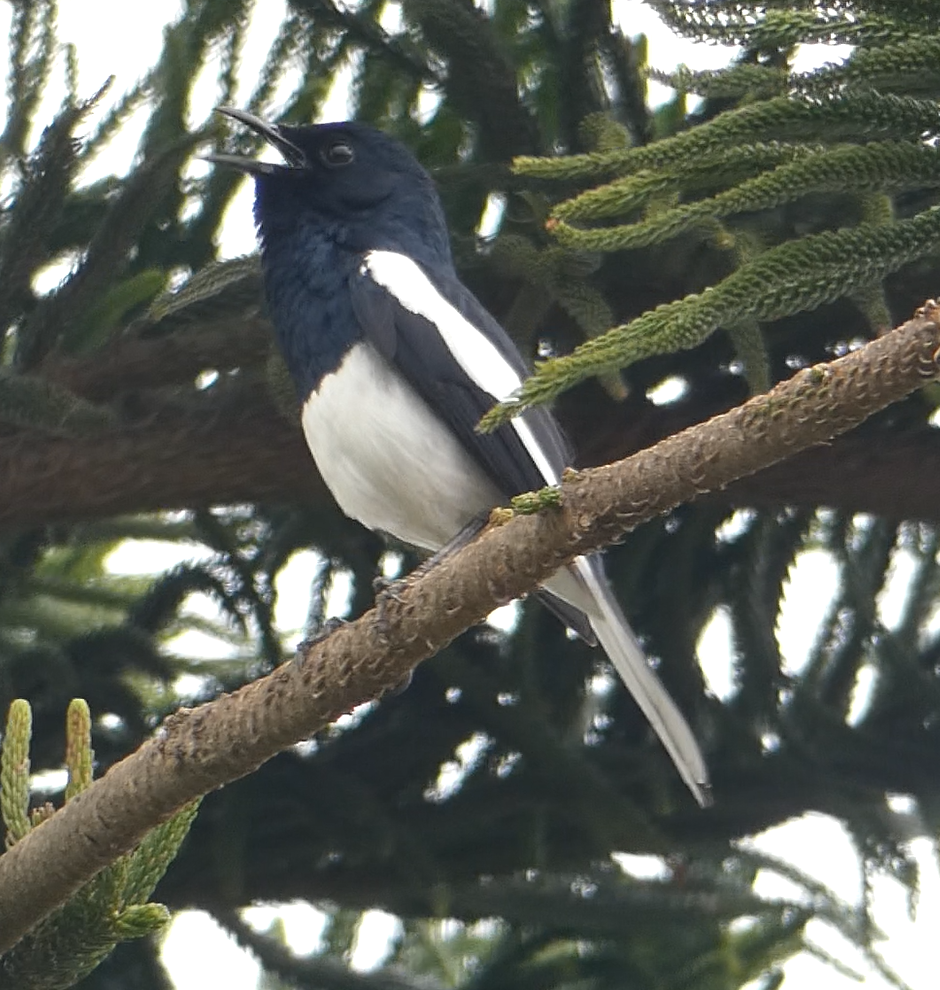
865, 127
113, 907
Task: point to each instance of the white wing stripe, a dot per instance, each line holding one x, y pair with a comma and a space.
535, 451
473, 351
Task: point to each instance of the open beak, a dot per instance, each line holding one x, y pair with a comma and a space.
292, 155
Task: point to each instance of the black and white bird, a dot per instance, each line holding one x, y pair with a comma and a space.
396, 361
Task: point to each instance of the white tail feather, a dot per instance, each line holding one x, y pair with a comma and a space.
620, 644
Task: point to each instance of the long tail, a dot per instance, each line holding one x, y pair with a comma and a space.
595, 597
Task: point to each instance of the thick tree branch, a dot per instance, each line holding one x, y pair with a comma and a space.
196, 751
240, 449
171, 359
859, 473
232, 446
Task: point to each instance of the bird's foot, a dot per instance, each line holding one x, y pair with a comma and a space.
388, 593
389, 589
386, 589
324, 632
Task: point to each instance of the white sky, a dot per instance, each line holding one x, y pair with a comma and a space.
114, 36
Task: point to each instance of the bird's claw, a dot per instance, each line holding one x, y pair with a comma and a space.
386, 589
387, 593
327, 628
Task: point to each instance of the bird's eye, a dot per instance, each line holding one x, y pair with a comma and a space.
338, 153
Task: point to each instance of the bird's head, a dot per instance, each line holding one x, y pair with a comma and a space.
348, 178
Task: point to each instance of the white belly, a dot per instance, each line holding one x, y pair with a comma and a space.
387, 460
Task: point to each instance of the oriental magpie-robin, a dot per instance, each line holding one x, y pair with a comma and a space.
396, 362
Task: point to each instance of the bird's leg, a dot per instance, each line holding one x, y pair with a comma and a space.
467, 535
390, 591
385, 589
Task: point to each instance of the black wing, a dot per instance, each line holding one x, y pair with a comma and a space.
414, 346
